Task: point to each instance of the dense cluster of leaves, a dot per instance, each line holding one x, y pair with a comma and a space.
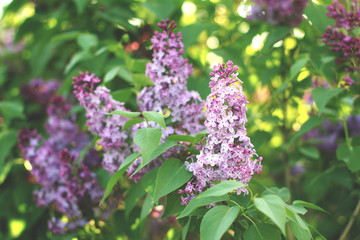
301, 119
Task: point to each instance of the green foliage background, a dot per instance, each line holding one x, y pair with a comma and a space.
111, 38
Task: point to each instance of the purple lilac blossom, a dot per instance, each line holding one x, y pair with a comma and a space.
278, 12
329, 133
169, 71
40, 91
228, 152
343, 37
63, 181
98, 102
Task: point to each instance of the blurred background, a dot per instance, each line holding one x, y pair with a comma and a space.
296, 129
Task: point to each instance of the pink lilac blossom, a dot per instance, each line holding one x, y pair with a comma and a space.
278, 12
343, 37
228, 152
64, 182
169, 71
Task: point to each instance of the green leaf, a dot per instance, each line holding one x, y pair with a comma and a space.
155, 117
322, 96
185, 229
80, 5
148, 181
125, 113
217, 221
116, 14
199, 202
76, 59
87, 41
262, 231
190, 33
343, 152
124, 73
8, 140
161, 9
157, 152
11, 110
135, 193
317, 15
115, 178
110, 75
131, 122
296, 67
199, 136
274, 36
103, 177
297, 209
283, 193
299, 232
309, 205
66, 36
137, 65
171, 175
181, 138
173, 204
312, 122
311, 152
273, 207
221, 189
297, 225
5, 170
350, 156
141, 79
147, 206
122, 95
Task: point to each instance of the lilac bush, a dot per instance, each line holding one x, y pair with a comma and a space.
169, 72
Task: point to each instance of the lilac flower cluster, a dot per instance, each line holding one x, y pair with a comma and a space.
343, 36
40, 91
98, 102
228, 152
278, 12
169, 71
64, 182
329, 134
116, 144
